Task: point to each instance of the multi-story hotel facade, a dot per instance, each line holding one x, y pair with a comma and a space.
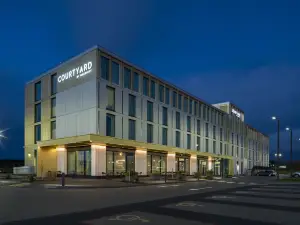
98, 114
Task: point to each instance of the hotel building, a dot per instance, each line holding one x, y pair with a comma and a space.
98, 114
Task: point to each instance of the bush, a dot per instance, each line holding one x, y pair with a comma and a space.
209, 175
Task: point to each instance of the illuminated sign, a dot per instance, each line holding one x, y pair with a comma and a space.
77, 72
236, 113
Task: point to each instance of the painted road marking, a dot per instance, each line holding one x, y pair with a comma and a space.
162, 186
230, 182
222, 197
188, 204
175, 185
129, 218
241, 183
197, 189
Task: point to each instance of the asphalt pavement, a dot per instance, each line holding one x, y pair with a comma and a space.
256, 201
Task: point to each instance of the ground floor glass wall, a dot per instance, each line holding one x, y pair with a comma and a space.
182, 164
202, 166
119, 162
79, 162
156, 163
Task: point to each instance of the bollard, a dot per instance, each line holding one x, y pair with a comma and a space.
63, 179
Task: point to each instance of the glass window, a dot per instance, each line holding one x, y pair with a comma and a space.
110, 125
115, 70
177, 144
200, 110
37, 113
127, 78
164, 136
196, 108
37, 133
136, 82
174, 99
178, 120
221, 134
204, 112
104, 67
167, 100
214, 147
231, 138
165, 116
191, 107
188, 139
237, 140
206, 129
109, 162
185, 104
110, 98
149, 133
207, 114
131, 135
179, 101
152, 89
132, 105
188, 124
53, 129
206, 145
214, 132
198, 127
38, 91
53, 107
149, 111
71, 161
161, 93
221, 148
119, 162
53, 84
198, 143
146, 86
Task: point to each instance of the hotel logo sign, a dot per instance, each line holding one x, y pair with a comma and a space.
236, 113
77, 72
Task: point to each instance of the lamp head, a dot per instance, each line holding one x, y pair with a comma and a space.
274, 118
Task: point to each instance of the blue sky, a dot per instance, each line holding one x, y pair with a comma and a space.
246, 52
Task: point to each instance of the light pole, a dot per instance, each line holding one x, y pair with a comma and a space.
278, 136
291, 149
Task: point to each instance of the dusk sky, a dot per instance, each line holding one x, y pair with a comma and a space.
246, 52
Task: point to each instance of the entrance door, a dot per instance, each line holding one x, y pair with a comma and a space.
83, 162
130, 166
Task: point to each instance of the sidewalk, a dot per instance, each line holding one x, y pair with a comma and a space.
104, 183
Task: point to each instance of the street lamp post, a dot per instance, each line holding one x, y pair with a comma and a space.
291, 149
278, 136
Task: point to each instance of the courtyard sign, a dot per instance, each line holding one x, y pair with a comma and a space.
236, 113
77, 72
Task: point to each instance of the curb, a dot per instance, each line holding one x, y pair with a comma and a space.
122, 186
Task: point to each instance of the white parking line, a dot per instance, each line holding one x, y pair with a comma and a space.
230, 182
197, 189
241, 183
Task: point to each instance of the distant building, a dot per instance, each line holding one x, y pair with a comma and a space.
98, 114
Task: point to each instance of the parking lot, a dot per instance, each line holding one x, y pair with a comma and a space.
240, 203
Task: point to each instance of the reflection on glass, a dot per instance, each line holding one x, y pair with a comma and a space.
71, 162
119, 162
156, 163
109, 162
